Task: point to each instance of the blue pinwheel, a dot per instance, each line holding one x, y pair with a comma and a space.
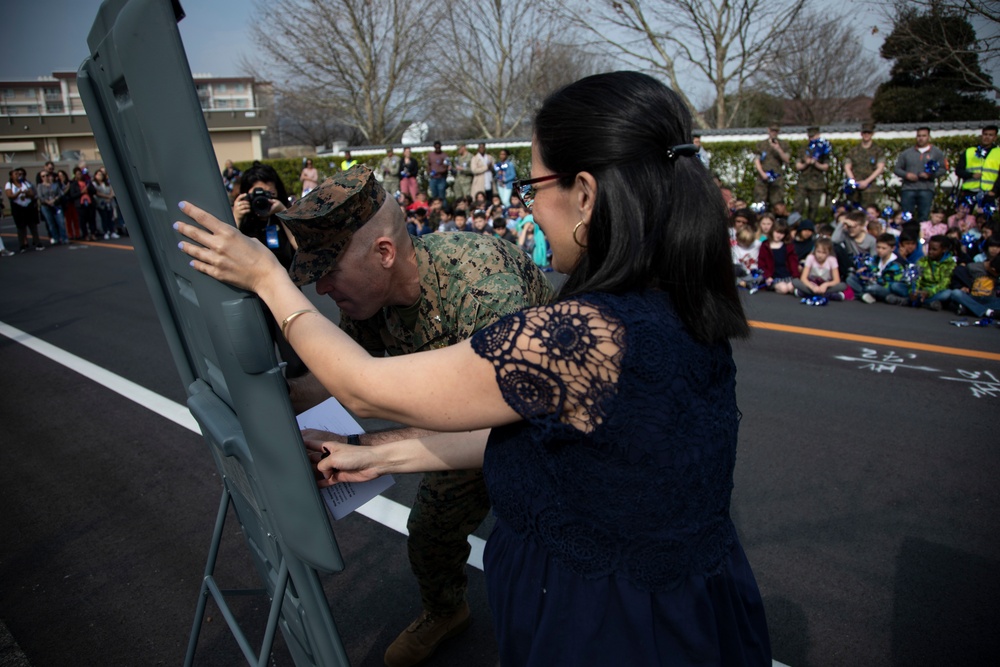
932, 166
819, 148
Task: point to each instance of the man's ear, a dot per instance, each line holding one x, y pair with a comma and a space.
385, 247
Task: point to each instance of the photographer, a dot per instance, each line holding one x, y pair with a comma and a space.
262, 196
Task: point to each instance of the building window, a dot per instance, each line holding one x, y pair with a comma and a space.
240, 103
55, 107
239, 88
220, 87
53, 94
221, 104
8, 92
31, 108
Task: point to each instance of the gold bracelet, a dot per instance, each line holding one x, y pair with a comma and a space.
288, 320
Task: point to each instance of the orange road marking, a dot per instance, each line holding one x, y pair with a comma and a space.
940, 349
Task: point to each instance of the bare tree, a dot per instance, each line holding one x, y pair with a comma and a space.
354, 59
503, 57
726, 42
942, 48
821, 69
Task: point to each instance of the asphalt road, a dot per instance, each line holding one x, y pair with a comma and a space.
866, 493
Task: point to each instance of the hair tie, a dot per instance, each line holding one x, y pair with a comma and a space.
682, 150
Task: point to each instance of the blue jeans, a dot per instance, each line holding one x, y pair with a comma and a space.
107, 220
505, 192
873, 288
920, 200
977, 305
56, 223
438, 187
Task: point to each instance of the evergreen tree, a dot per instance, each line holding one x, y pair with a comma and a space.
933, 53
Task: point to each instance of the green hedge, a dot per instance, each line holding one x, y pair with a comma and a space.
733, 161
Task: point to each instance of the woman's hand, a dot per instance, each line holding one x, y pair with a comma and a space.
226, 254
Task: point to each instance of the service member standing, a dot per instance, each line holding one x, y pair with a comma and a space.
979, 165
772, 157
864, 164
812, 165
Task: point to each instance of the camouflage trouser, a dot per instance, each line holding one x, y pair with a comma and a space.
813, 197
771, 193
391, 186
462, 187
869, 196
449, 506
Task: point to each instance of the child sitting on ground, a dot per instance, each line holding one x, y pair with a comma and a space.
778, 262
878, 280
746, 253
764, 225
931, 289
821, 274
935, 226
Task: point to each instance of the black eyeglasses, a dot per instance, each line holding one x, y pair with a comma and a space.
526, 191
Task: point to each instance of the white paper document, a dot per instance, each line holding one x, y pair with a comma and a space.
342, 499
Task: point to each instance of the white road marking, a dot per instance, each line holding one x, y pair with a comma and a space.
381, 510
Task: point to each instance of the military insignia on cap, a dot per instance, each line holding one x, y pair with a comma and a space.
323, 221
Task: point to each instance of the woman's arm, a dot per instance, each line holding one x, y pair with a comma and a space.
461, 383
438, 451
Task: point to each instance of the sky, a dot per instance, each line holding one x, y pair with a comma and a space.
214, 34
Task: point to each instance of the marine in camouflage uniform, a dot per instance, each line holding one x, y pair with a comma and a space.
812, 179
466, 282
770, 158
865, 163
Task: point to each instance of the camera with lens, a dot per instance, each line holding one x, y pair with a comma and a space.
260, 202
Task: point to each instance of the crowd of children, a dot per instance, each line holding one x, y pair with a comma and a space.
874, 256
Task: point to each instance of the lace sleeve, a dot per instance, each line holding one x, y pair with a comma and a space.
559, 362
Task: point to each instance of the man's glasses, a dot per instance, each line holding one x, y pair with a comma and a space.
526, 189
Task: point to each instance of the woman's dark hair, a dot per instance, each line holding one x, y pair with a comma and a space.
264, 173
658, 222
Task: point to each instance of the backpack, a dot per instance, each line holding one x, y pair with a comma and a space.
983, 286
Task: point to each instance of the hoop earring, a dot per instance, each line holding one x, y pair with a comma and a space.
575, 240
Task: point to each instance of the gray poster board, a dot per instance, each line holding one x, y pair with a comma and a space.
142, 103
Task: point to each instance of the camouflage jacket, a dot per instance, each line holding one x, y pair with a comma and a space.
811, 177
467, 282
769, 159
864, 160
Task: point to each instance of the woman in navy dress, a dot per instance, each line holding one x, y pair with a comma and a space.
606, 423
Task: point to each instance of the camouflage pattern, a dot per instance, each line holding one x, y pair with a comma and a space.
323, 221
812, 183
811, 178
863, 162
767, 191
467, 282
769, 159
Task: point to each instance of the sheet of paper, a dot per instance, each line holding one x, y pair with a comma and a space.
342, 499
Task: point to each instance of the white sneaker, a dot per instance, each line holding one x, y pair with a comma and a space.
867, 298
106, 236
52, 241
114, 236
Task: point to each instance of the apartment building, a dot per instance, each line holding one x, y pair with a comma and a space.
44, 119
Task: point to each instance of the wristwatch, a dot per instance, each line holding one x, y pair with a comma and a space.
354, 439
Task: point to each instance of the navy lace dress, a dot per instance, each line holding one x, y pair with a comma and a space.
613, 543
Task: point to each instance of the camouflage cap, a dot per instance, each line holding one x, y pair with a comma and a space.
323, 221
867, 127
812, 130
